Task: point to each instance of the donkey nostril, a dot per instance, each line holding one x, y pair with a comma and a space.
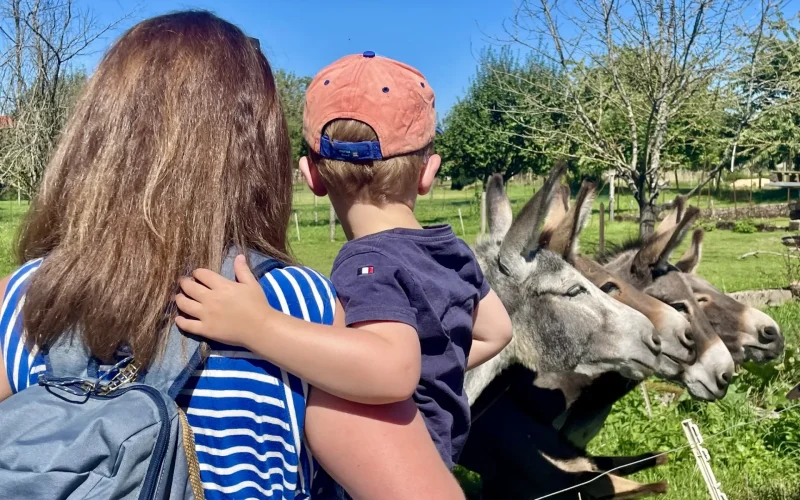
689, 338
768, 334
656, 339
725, 378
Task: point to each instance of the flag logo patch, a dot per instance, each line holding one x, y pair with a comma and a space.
365, 270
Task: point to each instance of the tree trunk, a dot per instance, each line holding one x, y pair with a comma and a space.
677, 181
647, 219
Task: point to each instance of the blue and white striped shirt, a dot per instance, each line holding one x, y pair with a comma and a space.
247, 414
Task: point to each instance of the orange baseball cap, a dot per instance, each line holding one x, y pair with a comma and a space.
389, 96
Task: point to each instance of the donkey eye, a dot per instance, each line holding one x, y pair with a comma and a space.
680, 307
609, 287
575, 290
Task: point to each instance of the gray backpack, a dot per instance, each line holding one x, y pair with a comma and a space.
77, 435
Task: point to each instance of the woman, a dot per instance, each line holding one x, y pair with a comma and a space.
177, 152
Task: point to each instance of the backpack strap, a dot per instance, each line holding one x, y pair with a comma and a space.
68, 357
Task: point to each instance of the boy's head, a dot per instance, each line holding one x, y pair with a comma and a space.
369, 123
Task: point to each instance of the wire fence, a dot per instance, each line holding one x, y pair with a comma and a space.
669, 452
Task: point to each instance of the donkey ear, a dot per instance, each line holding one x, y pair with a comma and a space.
566, 237
558, 209
691, 258
555, 216
523, 236
498, 206
656, 251
671, 220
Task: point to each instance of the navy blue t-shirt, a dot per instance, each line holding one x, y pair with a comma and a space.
430, 280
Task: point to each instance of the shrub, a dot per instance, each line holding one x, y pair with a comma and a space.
744, 226
708, 226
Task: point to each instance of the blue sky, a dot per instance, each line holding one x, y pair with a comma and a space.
441, 38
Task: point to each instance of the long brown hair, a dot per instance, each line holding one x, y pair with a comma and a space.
176, 150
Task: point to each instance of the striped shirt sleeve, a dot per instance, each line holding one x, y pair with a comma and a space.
23, 365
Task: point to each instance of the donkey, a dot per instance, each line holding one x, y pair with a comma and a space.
645, 264
521, 458
749, 334
562, 235
561, 321
553, 460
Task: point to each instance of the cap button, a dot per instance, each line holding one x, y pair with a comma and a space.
369, 53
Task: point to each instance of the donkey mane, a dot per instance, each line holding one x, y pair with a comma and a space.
614, 250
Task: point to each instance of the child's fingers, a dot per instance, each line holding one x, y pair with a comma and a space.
209, 278
189, 325
193, 289
188, 306
243, 273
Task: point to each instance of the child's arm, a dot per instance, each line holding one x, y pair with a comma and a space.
374, 362
491, 330
377, 451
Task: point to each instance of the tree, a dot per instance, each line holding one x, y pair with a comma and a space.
480, 136
39, 39
630, 68
764, 83
773, 132
292, 90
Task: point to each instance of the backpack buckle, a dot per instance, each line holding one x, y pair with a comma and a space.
125, 375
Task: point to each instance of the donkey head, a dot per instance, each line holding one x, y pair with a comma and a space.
562, 234
562, 322
749, 334
647, 267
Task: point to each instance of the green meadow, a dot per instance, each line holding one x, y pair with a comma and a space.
758, 460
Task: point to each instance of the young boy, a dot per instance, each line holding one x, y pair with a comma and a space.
418, 310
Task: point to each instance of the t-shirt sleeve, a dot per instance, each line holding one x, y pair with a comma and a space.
483, 286
300, 292
23, 366
373, 288
475, 276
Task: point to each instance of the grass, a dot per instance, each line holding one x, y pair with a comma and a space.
758, 461
720, 252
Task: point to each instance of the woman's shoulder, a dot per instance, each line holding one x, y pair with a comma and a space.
301, 292
12, 282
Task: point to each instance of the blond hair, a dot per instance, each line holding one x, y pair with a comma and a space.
391, 180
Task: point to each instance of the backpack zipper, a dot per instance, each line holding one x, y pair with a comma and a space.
156, 464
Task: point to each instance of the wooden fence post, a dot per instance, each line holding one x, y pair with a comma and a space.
462, 222
316, 218
601, 242
297, 225
333, 223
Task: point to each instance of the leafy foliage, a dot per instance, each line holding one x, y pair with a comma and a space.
744, 226
483, 134
292, 90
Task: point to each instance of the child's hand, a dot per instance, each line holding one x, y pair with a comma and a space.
225, 311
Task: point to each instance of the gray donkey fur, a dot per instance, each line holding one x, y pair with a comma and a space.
562, 322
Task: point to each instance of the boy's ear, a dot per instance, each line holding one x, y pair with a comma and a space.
428, 174
311, 174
